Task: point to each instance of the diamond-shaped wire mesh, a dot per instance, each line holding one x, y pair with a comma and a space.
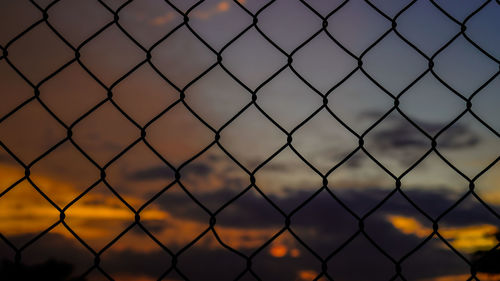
149, 50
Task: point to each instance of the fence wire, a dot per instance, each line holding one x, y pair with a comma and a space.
287, 217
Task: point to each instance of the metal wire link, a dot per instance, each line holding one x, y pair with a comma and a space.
178, 180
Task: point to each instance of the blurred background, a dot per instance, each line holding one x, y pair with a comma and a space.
161, 126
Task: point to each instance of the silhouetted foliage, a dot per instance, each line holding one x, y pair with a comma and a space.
488, 262
50, 270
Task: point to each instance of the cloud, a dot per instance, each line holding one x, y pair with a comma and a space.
199, 169
458, 136
402, 144
4, 158
280, 261
401, 134
164, 172
251, 210
95, 217
152, 173
395, 131
201, 263
466, 238
250, 221
435, 202
163, 19
324, 224
221, 7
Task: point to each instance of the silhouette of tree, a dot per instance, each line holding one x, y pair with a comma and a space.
488, 262
50, 270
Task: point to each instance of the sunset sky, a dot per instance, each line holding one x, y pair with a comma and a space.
46, 91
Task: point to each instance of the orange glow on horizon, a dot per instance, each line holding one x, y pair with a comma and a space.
307, 275
409, 226
467, 238
284, 246
278, 251
98, 215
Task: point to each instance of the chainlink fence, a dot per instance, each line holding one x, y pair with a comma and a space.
433, 140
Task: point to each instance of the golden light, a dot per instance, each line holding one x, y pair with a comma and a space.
223, 6
472, 238
307, 275
278, 251
467, 238
295, 253
409, 225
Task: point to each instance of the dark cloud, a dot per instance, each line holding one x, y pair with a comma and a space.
198, 169
435, 202
272, 166
355, 161
277, 167
457, 137
404, 135
4, 158
153, 173
252, 210
164, 172
136, 263
322, 224
212, 157
396, 132
358, 261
